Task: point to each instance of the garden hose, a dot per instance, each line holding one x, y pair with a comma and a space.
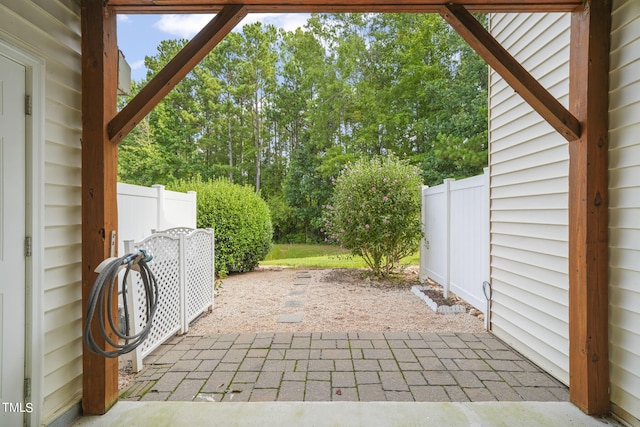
488, 293
107, 279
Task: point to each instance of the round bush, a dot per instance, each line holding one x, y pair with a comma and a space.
375, 212
241, 221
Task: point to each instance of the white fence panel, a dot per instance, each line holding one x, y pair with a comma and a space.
141, 210
435, 245
183, 264
455, 249
179, 209
469, 239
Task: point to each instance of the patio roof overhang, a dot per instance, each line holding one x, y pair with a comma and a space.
584, 125
399, 6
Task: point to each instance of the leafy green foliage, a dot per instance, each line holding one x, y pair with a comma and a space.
240, 219
284, 220
376, 211
307, 190
284, 111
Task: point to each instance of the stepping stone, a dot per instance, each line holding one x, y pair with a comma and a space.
300, 292
300, 283
294, 303
291, 318
304, 276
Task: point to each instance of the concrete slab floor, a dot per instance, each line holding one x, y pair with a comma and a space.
351, 414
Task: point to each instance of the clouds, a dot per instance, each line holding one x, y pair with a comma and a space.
139, 35
286, 21
138, 65
186, 26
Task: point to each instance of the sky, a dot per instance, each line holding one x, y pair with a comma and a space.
139, 35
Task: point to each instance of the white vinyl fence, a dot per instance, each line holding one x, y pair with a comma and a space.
183, 264
141, 210
455, 248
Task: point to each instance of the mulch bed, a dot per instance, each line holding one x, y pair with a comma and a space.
404, 279
437, 295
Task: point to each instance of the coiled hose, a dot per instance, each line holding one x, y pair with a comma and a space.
488, 293
107, 279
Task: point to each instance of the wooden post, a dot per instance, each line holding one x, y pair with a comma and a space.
99, 175
588, 204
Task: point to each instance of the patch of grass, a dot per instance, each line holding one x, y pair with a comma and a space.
412, 259
327, 261
290, 251
320, 256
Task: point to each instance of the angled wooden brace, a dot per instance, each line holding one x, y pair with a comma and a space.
174, 71
510, 69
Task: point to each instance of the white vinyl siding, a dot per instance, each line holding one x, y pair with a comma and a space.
624, 210
50, 29
529, 193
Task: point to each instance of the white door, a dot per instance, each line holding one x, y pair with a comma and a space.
12, 241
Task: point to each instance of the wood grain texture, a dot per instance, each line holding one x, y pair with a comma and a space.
588, 209
99, 176
417, 6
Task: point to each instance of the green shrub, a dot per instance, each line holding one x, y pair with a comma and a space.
241, 221
375, 211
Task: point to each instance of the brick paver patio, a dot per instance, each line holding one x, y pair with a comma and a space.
355, 366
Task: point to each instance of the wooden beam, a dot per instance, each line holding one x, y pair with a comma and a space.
588, 205
99, 167
293, 6
510, 69
175, 71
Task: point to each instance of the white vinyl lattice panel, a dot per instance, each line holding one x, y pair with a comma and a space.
199, 273
177, 231
165, 266
183, 265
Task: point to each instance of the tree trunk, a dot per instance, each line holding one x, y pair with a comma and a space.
230, 145
258, 163
257, 140
258, 145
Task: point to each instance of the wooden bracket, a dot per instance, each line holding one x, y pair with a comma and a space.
510, 69
174, 71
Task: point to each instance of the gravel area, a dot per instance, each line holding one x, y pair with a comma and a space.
329, 300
